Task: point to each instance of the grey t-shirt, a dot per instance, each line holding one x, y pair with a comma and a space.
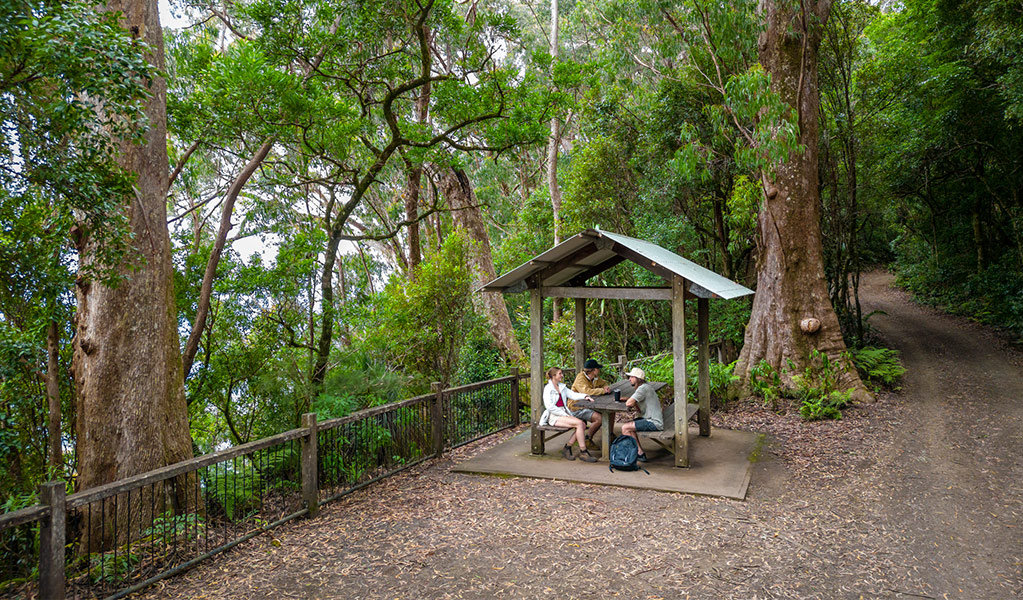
649, 404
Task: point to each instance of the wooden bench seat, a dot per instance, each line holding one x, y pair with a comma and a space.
549, 432
666, 437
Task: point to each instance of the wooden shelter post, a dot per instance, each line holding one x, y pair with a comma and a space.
580, 334
536, 371
703, 337
678, 348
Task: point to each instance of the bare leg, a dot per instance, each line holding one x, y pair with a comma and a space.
629, 429
594, 424
579, 435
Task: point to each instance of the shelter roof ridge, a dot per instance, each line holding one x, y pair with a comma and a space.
587, 253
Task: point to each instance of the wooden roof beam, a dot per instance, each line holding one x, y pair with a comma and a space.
609, 293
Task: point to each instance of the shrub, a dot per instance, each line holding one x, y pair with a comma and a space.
662, 368
765, 382
817, 389
878, 365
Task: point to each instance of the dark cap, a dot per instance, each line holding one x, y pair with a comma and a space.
592, 364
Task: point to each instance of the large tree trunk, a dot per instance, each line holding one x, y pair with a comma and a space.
790, 267
458, 190
130, 396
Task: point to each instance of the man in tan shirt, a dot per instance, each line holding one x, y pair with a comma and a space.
588, 382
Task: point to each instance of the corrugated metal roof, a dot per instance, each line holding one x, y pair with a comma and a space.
593, 251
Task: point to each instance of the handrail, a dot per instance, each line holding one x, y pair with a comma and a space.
469, 387
372, 412
179, 468
24, 515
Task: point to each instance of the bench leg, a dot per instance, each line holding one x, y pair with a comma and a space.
536, 440
682, 446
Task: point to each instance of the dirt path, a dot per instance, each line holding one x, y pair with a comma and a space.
915, 496
955, 471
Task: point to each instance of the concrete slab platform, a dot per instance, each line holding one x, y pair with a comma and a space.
720, 465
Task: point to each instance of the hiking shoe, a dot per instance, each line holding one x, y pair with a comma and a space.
587, 457
566, 453
590, 444
641, 457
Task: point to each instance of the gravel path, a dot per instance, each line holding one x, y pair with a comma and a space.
914, 496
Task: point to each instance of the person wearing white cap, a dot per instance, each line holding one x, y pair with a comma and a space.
646, 401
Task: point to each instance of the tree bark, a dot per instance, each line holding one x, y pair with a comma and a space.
415, 177
456, 187
206, 291
790, 271
131, 411
56, 454
415, 172
552, 154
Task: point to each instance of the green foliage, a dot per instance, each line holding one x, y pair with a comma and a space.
662, 368
359, 381
816, 407
479, 359
816, 389
944, 153
19, 546
74, 83
765, 382
168, 527
234, 489
879, 365
112, 567
327, 406
421, 323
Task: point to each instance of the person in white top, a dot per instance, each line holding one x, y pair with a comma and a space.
556, 397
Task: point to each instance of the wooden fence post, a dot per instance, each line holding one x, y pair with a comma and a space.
439, 426
623, 361
310, 483
51, 541
515, 396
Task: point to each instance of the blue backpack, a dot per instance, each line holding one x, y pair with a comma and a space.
624, 454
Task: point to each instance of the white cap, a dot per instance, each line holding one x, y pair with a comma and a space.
636, 372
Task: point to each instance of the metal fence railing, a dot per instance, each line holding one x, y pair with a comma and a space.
477, 410
112, 540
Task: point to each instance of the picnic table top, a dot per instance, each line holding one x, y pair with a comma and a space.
607, 401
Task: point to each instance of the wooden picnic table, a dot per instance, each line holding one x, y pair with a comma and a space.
606, 405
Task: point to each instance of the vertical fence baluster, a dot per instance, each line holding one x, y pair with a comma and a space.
115, 569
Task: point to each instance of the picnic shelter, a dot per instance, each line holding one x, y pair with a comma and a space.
563, 272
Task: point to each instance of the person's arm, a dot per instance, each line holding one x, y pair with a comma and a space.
635, 399
576, 395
